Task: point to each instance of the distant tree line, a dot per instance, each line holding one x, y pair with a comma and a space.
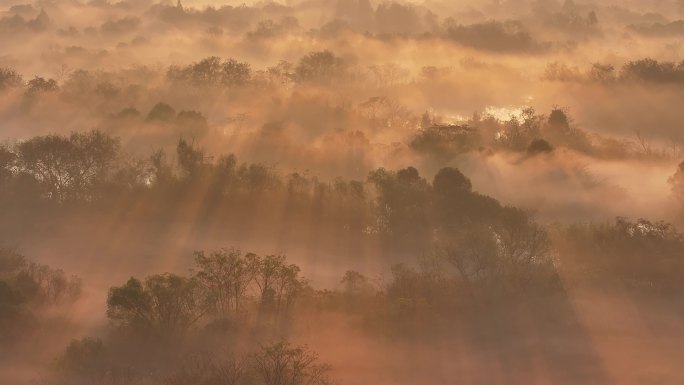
645, 70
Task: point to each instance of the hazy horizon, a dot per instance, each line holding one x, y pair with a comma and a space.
316, 192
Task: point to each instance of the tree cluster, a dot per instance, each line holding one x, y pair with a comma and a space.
27, 287
224, 284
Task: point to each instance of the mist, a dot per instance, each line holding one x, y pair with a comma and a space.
341, 191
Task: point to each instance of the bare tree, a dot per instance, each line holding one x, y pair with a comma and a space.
282, 364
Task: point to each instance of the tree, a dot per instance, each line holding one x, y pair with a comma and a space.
205, 369
560, 131
7, 159
165, 304
234, 73
9, 78
200, 73
27, 288
85, 357
358, 292
69, 168
36, 283
450, 182
641, 253
506, 256
161, 112
355, 283
160, 169
213, 71
267, 272
452, 197
539, 146
320, 67
402, 204
517, 133
676, 182
650, 70
226, 275
283, 364
602, 72
256, 177
11, 302
445, 142
287, 286
279, 285
192, 123
426, 121
39, 85
558, 121
190, 159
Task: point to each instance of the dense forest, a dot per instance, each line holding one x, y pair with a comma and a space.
341, 192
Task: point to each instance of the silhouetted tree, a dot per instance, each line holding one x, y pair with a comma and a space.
161, 112
85, 357
283, 364
676, 182
69, 168
602, 72
320, 67
39, 85
539, 146
651, 70
213, 71
402, 204
445, 141
9, 78
355, 283
279, 284
226, 275
164, 305
206, 369
190, 159
510, 256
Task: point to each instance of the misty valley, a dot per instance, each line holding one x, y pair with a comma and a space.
341, 192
